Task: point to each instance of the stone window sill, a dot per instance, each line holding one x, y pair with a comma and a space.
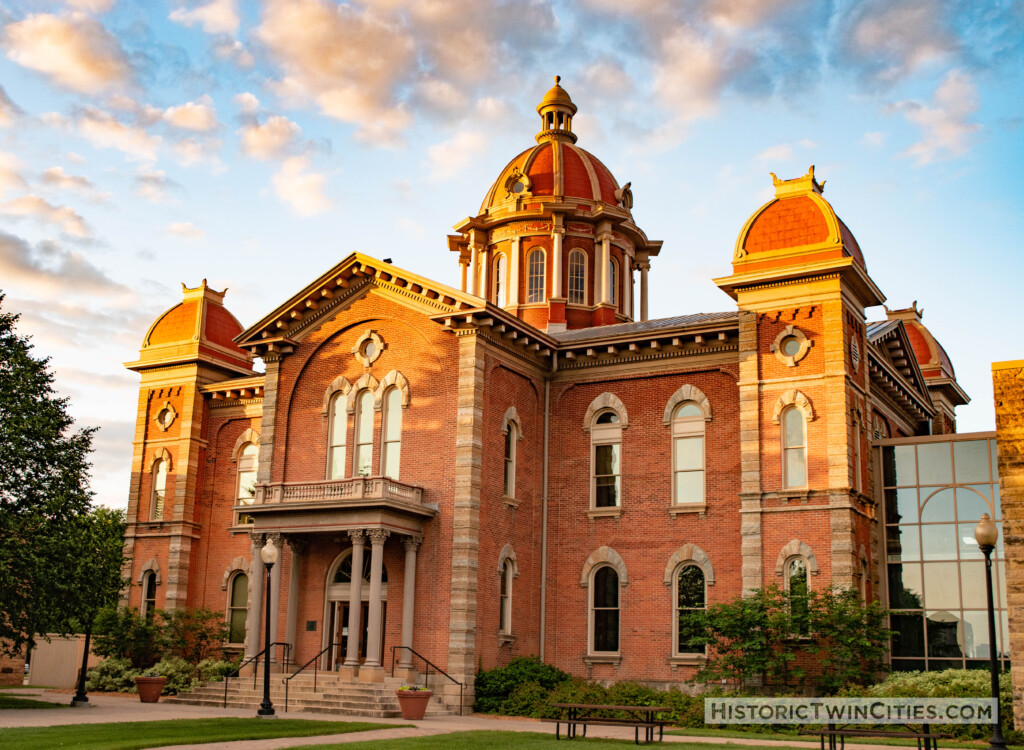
675, 510
613, 512
506, 639
688, 660
510, 502
591, 659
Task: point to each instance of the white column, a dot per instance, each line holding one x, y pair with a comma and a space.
355, 598
463, 268
474, 270
275, 600
644, 267
514, 265
254, 614
627, 286
411, 543
298, 548
485, 273
557, 234
604, 260
377, 539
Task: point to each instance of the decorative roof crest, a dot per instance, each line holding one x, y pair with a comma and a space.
798, 185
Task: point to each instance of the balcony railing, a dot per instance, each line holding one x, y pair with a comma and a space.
354, 490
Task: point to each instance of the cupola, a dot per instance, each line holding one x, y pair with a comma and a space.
556, 111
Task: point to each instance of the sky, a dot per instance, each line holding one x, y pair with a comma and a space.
148, 143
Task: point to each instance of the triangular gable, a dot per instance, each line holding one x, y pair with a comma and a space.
889, 343
344, 283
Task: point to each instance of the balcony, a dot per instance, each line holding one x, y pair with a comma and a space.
337, 503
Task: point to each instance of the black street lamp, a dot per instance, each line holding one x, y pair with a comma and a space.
986, 534
81, 699
269, 555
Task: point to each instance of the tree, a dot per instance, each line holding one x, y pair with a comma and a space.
849, 638
44, 498
194, 634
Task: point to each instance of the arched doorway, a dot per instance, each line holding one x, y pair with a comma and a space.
337, 602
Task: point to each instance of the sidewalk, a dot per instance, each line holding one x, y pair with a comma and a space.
109, 708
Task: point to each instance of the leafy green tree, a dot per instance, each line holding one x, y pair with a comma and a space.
849, 638
44, 494
194, 634
122, 633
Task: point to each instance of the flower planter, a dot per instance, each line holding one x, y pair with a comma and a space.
413, 703
150, 688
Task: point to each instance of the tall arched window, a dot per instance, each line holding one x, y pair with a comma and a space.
606, 463
690, 603
500, 280
577, 277
364, 434
392, 447
688, 454
613, 275
797, 585
238, 603
536, 270
149, 594
245, 488
336, 449
505, 613
604, 610
510, 460
794, 449
156, 505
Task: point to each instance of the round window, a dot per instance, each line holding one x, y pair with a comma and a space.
518, 187
164, 418
790, 346
369, 349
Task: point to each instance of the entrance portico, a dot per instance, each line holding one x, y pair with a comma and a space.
365, 512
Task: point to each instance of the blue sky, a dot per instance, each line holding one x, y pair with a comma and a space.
144, 144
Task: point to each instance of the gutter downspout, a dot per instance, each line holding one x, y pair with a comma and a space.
544, 511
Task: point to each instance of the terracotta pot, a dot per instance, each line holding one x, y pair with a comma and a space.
150, 688
413, 702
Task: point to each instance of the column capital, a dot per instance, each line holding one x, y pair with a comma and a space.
357, 536
298, 544
275, 537
558, 229
412, 543
258, 538
605, 237
378, 536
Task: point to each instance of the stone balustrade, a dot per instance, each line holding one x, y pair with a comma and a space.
353, 489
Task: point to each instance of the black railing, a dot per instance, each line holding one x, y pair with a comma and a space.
426, 671
235, 672
314, 661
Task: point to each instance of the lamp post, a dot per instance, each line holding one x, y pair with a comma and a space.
986, 534
269, 555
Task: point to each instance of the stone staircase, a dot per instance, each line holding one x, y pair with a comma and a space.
332, 696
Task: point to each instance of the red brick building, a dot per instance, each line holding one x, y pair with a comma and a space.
528, 465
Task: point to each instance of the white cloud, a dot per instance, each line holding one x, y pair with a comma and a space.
104, 131
448, 158
34, 206
192, 151
889, 39
56, 177
270, 140
247, 102
945, 125
302, 190
185, 229
154, 185
10, 177
9, 111
873, 139
217, 17
91, 6
198, 116
235, 51
49, 271
77, 52
782, 152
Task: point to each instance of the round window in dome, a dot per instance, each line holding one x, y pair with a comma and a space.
518, 187
790, 346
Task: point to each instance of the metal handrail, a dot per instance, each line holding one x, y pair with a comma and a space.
426, 674
234, 672
314, 661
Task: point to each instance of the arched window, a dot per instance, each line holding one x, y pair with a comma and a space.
794, 449
156, 506
392, 448
364, 434
149, 594
577, 277
500, 280
536, 269
238, 603
344, 572
336, 440
505, 613
510, 460
690, 603
798, 587
613, 276
604, 610
688, 454
245, 487
606, 463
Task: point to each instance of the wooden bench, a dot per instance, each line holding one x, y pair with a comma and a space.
834, 733
640, 717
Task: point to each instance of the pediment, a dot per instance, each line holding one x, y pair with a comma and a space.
349, 280
891, 357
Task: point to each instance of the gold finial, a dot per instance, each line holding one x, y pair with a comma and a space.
558, 80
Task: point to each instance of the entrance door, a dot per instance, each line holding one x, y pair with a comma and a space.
342, 631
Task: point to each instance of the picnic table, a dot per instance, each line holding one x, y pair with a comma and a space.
639, 717
837, 735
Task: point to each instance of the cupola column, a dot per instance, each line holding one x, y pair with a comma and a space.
644, 268
464, 267
513, 268
603, 261
627, 287
557, 233
474, 270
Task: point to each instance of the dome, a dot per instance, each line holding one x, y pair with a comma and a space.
930, 355
554, 168
798, 218
556, 96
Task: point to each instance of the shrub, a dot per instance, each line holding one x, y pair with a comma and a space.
194, 635
181, 676
494, 686
213, 671
112, 675
123, 633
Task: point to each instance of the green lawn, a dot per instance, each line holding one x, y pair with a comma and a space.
10, 701
140, 734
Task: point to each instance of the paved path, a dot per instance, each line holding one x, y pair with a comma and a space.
109, 708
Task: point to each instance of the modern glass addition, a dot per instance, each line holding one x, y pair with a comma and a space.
934, 495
